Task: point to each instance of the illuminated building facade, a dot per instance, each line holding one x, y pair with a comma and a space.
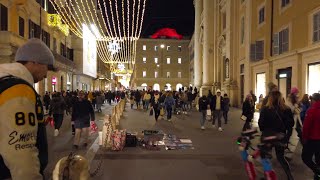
242, 45
161, 64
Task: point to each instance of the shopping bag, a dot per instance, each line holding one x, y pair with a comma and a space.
243, 118
151, 112
50, 121
93, 127
209, 112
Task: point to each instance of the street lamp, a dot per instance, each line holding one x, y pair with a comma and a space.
162, 46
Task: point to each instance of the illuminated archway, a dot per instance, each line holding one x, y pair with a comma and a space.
168, 87
178, 86
156, 87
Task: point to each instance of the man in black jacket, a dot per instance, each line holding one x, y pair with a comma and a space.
203, 106
216, 105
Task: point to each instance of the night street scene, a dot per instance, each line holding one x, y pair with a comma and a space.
159, 89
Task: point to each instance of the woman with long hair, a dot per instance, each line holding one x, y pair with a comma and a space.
275, 118
293, 103
247, 111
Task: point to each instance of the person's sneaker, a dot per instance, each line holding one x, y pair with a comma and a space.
169, 120
214, 126
56, 132
202, 127
220, 129
75, 146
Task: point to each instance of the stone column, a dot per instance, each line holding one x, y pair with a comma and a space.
208, 46
198, 5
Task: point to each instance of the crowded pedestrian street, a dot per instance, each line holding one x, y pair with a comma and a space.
215, 154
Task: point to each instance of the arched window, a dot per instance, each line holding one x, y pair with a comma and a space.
178, 86
167, 87
156, 87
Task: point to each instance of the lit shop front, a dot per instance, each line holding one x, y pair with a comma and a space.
313, 78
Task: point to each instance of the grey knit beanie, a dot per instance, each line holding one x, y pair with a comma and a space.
35, 50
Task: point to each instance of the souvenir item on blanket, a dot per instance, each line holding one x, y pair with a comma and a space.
118, 140
131, 140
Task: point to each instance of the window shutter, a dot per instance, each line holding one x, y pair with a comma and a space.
285, 40
275, 44
280, 41
316, 24
259, 50
253, 52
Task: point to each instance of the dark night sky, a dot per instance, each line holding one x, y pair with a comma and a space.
176, 14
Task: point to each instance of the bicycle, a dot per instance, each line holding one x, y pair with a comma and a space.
263, 150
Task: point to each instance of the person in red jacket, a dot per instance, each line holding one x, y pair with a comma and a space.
311, 137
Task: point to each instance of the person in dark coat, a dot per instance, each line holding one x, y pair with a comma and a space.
216, 105
155, 105
203, 106
46, 101
226, 105
57, 108
137, 98
276, 117
82, 112
248, 111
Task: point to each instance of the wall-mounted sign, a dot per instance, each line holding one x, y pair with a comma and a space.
54, 80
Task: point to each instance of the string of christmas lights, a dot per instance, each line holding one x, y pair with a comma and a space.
110, 24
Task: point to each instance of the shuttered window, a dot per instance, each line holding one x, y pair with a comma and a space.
316, 27
281, 42
257, 51
21, 26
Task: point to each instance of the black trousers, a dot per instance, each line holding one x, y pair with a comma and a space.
312, 149
58, 118
156, 113
283, 162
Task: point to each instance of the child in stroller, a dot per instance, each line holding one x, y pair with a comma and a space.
178, 107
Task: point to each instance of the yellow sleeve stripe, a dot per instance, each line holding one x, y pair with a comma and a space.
17, 91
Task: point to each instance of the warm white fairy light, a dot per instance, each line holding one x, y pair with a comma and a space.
103, 25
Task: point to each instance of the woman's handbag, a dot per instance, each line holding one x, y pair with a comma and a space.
243, 118
162, 111
151, 112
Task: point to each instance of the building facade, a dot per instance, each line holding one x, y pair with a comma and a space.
24, 19
191, 58
242, 45
161, 64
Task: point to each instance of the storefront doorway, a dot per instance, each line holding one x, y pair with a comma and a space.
260, 85
284, 81
313, 75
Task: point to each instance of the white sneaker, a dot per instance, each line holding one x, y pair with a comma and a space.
214, 126
220, 129
56, 132
202, 127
